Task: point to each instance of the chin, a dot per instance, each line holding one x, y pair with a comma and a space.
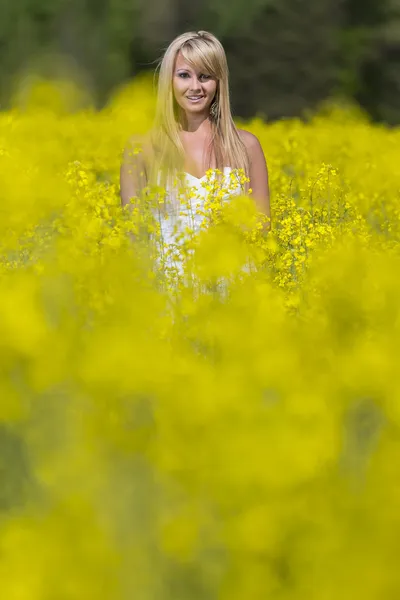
198, 107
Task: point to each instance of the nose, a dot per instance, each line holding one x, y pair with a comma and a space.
195, 84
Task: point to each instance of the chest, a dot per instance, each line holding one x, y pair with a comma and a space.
199, 155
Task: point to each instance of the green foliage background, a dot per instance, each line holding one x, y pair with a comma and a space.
285, 56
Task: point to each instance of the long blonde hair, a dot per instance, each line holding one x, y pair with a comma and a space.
201, 50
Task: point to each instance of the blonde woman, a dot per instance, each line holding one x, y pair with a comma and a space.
194, 137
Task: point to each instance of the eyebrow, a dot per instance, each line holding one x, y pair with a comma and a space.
202, 72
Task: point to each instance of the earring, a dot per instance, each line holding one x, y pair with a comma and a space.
214, 110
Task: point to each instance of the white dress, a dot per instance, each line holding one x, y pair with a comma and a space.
185, 214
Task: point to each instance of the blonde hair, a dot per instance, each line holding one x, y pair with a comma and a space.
201, 50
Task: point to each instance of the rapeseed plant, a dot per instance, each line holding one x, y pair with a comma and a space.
213, 418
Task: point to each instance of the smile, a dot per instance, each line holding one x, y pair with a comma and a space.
194, 98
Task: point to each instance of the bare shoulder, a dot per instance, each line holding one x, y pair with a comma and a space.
253, 147
250, 140
138, 145
258, 171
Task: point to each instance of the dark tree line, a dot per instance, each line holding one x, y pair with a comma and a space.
285, 56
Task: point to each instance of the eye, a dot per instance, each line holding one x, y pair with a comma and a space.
182, 75
205, 76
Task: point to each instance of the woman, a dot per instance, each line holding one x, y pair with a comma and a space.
194, 134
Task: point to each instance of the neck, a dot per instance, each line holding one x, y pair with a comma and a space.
196, 124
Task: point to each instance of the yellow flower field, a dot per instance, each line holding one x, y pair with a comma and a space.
226, 429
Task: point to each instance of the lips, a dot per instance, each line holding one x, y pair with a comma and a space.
194, 98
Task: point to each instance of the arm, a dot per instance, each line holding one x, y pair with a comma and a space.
132, 172
258, 173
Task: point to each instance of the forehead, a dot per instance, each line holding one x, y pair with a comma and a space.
182, 63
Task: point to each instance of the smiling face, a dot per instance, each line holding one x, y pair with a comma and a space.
194, 88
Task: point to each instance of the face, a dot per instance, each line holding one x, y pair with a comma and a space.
194, 89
